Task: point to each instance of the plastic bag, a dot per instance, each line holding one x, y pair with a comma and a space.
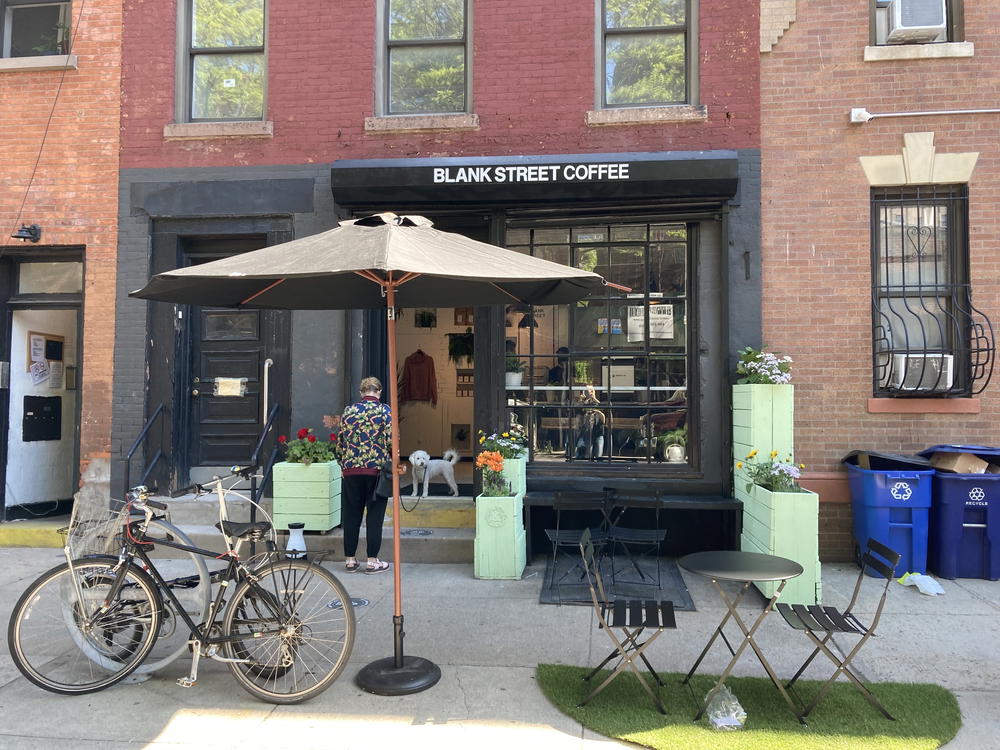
724, 712
924, 584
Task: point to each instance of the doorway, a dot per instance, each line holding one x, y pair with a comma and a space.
236, 369
39, 383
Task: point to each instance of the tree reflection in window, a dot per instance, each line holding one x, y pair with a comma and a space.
426, 56
227, 59
645, 52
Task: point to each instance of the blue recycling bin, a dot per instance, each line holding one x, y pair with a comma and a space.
890, 502
965, 518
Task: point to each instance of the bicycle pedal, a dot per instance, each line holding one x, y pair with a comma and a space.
186, 682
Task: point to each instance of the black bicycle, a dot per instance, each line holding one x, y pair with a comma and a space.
284, 628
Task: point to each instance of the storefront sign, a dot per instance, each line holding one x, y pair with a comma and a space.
532, 179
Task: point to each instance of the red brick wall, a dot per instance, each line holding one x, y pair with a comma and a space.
533, 82
74, 194
815, 217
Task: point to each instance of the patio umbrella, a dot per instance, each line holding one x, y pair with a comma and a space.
386, 261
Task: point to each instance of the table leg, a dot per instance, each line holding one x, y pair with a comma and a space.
748, 640
718, 630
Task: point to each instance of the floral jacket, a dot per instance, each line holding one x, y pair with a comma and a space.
364, 442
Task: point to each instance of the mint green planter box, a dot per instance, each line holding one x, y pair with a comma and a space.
306, 494
784, 524
515, 471
500, 542
763, 418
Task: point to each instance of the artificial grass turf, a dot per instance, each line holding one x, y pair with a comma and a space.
927, 716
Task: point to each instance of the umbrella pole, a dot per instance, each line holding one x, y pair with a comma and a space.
396, 674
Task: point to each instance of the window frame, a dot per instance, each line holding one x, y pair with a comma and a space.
954, 23
184, 95
383, 56
965, 332
690, 57
535, 408
7, 6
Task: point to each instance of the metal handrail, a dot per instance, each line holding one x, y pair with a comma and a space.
257, 491
135, 446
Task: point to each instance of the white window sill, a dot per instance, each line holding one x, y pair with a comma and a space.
39, 62
648, 115
253, 129
395, 123
932, 51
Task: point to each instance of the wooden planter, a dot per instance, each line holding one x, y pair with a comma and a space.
500, 541
307, 494
515, 472
763, 418
784, 524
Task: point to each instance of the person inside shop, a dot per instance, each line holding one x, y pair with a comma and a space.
364, 445
557, 373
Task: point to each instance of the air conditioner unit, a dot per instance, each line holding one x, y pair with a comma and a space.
920, 372
916, 20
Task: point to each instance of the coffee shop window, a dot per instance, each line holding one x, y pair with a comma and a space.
605, 379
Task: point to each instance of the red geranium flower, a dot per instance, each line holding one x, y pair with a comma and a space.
311, 438
333, 437
282, 439
303, 432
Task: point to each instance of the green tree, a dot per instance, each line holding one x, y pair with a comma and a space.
650, 67
427, 78
228, 86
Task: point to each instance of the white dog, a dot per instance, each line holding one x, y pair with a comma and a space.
426, 468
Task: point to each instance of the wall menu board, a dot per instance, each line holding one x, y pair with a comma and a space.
44, 347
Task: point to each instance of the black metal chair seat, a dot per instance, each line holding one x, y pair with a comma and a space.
636, 613
820, 623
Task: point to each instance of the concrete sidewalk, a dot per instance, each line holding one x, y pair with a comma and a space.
487, 637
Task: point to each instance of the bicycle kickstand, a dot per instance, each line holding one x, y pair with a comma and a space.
192, 679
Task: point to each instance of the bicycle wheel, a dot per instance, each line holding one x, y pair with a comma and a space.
188, 577
53, 642
298, 626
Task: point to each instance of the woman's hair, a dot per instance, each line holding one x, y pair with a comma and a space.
370, 385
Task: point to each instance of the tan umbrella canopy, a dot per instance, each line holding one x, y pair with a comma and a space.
387, 261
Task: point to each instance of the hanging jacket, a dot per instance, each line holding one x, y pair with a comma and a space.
418, 382
365, 439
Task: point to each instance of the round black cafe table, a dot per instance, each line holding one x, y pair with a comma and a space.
746, 567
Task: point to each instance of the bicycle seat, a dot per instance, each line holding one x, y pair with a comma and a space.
243, 530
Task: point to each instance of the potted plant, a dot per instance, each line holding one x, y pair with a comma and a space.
306, 485
513, 371
671, 445
763, 402
512, 445
781, 518
461, 346
500, 549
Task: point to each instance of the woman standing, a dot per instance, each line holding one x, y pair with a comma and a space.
364, 445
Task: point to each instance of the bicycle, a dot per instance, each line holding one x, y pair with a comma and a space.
284, 628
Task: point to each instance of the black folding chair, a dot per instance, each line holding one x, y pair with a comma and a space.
566, 536
817, 621
632, 617
632, 548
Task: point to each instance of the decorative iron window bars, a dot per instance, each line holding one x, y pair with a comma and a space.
928, 338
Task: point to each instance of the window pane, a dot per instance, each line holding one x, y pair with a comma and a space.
916, 323
645, 69
230, 326
631, 14
628, 267
420, 19
427, 79
668, 269
913, 245
227, 23
228, 87
50, 278
37, 30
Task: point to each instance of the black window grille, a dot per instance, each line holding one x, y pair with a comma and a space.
928, 337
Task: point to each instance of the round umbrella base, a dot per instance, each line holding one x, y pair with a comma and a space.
383, 677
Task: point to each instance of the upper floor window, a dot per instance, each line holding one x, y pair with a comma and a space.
425, 65
916, 21
928, 338
32, 28
226, 60
647, 52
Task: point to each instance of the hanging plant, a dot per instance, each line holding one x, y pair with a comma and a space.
461, 346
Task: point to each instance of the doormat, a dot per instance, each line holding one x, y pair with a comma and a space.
569, 584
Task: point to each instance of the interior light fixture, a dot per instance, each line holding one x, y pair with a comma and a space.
32, 233
528, 321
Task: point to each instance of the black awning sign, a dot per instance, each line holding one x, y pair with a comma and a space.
531, 173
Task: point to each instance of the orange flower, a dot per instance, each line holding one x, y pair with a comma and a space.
490, 460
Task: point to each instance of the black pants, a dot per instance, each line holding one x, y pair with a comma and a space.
357, 494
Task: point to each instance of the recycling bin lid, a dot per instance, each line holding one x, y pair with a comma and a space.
878, 461
984, 452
